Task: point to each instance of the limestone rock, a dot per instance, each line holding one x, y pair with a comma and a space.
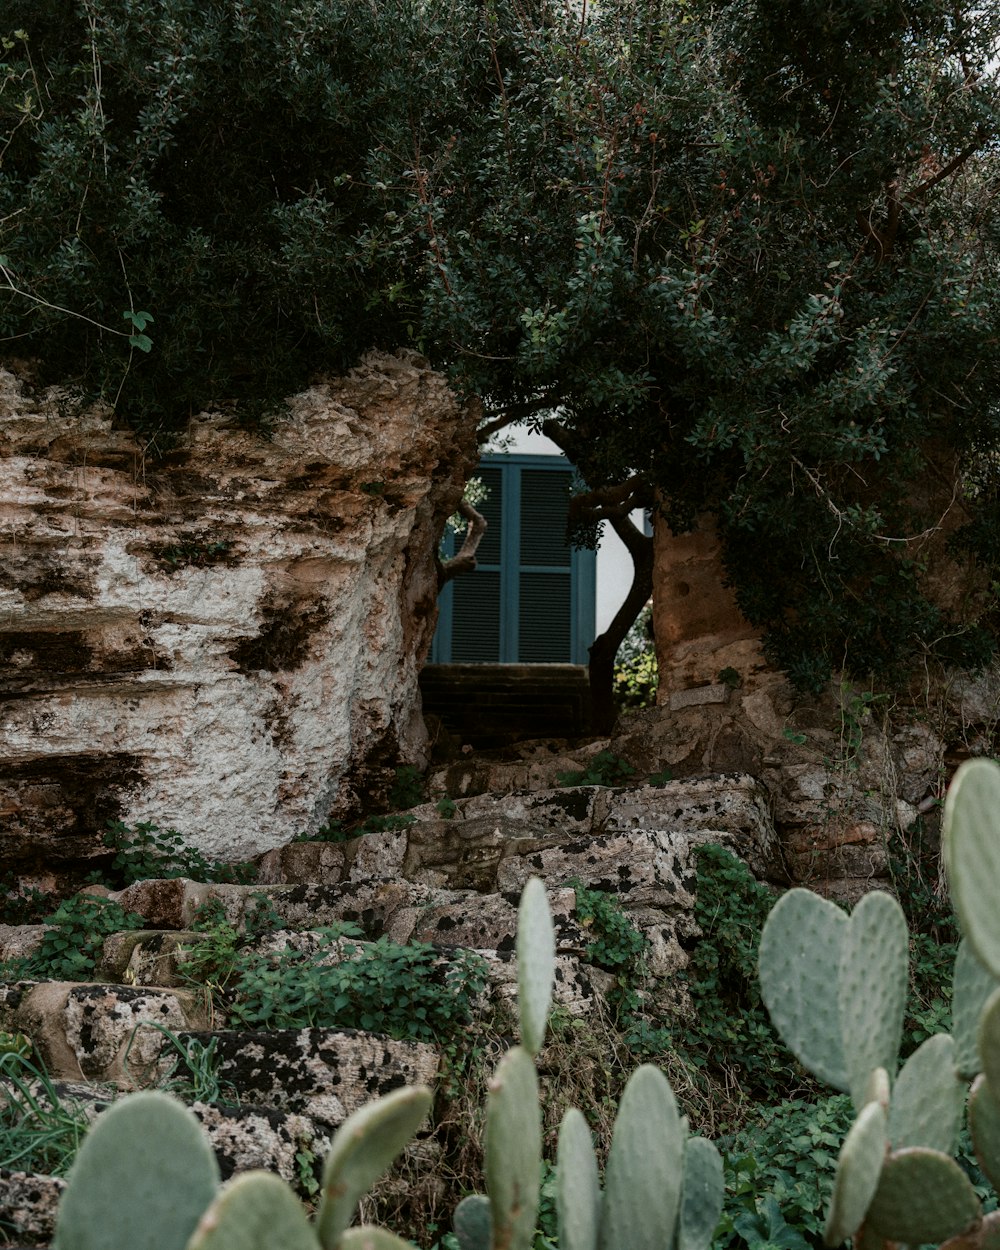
20, 941
244, 1138
320, 862
324, 1074
225, 640
28, 1206
144, 957
98, 1032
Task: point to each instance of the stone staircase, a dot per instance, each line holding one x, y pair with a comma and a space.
451, 877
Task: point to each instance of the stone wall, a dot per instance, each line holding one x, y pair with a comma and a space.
698, 627
222, 639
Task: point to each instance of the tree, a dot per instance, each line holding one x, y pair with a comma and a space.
755, 260
747, 251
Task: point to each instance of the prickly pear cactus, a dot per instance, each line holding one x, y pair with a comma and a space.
896, 1180
146, 1178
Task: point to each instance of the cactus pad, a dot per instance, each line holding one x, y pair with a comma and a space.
971, 988
922, 1196
513, 1150
926, 1108
578, 1185
800, 950
361, 1150
473, 1223
642, 1181
871, 989
144, 1176
984, 1125
702, 1193
536, 955
859, 1167
368, 1237
255, 1211
988, 1039
971, 845
877, 1089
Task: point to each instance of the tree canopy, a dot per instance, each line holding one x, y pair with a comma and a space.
747, 252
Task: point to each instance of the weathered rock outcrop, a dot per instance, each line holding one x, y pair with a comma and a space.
223, 638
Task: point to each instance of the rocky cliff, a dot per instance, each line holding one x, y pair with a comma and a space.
224, 638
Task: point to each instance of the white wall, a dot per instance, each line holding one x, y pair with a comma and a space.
614, 564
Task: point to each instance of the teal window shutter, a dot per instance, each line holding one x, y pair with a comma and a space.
531, 598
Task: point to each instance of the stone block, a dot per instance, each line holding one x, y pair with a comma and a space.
20, 941
320, 862
568, 811
465, 854
324, 1074
698, 696
144, 957
642, 868
483, 922
28, 1205
731, 808
98, 1032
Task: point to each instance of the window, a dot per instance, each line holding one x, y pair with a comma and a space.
531, 598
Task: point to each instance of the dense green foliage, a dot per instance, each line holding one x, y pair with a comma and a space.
72, 945
148, 852
410, 990
750, 252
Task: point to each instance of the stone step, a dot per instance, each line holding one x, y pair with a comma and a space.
99, 1032
324, 1074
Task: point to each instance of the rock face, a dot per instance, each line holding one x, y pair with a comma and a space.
699, 629
220, 640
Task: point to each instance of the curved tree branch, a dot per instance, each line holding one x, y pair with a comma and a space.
465, 560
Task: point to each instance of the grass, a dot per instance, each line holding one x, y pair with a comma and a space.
40, 1129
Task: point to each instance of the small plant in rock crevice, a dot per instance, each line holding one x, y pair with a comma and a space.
616, 945
20, 905
337, 831
72, 945
605, 769
407, 789
194, 1072
147, 852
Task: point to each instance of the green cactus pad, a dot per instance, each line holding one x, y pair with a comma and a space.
361, 1150
926, 1108
972, 986
871, 989
877, 1089
988, 1039
984, 1125
513, 1150
473, 1223
578, 1185
536, 954
922, 1196
255, 1211
144, 1176
642, 1181
971, 846
702, 1194
368, 1237
859, 1167
800, 951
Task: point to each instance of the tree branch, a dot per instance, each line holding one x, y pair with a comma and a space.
465, 560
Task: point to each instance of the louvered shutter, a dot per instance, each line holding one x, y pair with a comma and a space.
544, 582
476, 605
